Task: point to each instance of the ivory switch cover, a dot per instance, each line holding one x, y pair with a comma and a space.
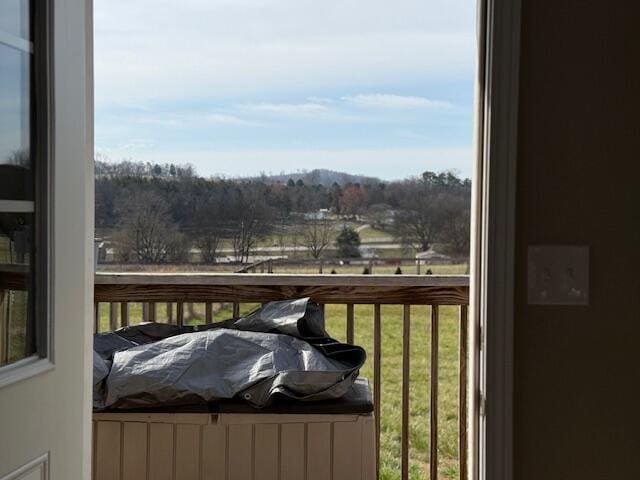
558, 275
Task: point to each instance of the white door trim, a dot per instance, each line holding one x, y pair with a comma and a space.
493, 244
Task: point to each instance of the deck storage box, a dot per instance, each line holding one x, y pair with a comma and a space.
318, 441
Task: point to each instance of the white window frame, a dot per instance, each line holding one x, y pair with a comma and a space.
43, 359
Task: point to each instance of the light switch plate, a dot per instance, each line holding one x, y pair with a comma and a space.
558, 275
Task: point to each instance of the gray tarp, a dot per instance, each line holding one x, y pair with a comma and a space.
280, 349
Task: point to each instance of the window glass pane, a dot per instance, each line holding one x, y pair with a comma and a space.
14, 17
16, 178
17, 339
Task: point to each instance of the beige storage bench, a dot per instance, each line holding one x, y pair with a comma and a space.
320, 441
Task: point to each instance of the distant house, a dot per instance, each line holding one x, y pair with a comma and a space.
433, 258
368, 252
318, 215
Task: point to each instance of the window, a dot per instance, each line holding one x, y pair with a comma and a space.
24, 184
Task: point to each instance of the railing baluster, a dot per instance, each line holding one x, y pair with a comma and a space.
236, 310
113, 316
377, 357
145, 312
152, 311
169, 309
96, 320
350, 323
433, 455
208, 309
464, 351
406, 344
124, 314
180, 313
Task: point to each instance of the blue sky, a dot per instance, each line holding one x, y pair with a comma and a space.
240, 87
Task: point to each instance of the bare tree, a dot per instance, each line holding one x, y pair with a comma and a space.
252, 222
456, 233
379, 216
20, 158
433, 208
317, 235
281, 231
147, 234
209, 227
421, 217
208, 241
418, 227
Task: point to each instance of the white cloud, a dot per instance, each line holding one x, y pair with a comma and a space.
325, 100
411, 135
158, 120
250, 48
232, 120
137, 144
289, 109
385, 100
311, 111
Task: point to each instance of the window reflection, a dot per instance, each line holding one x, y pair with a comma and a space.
14, 18
16, 315
15, 119
17, 205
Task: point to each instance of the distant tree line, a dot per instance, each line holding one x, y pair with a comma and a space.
159, 212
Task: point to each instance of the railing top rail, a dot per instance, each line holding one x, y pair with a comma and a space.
217, 287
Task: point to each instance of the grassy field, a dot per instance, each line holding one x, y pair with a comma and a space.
391, 377
369, 234
292, 267
457, 269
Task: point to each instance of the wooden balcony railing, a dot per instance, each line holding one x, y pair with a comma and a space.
115, 294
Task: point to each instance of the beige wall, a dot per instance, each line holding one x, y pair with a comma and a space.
577, 385
51, 412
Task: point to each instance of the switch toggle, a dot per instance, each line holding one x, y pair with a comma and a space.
558, 275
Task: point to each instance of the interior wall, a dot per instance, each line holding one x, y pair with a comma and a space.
577, 369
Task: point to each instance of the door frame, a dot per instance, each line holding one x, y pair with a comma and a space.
493, 240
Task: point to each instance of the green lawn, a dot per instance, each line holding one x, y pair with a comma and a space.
370, 234
391, 377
